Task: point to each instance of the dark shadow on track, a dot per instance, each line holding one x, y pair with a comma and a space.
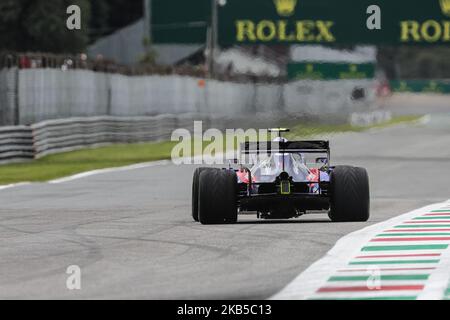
283, 221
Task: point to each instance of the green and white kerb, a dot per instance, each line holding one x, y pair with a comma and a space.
404, 258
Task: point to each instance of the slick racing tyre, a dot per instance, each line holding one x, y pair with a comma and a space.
350, 200
217, 197
195, 182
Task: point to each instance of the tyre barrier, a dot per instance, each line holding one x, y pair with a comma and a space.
18, 143
76, 133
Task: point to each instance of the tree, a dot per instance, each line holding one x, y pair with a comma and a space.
99, 24
40, 25
149, 57
111, 15
404, 62
124, 12
10, 23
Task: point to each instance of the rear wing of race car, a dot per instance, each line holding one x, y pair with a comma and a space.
265, 148
269, 147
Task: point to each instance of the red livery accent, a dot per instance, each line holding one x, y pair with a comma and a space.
428, 221
243, 176
411, 239
365, 288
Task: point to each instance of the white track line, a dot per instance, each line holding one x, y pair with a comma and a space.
347, 248
109, 170
117, 169
127, 168
14, 185
91, 173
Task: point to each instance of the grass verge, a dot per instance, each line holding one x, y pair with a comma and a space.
309, 130
69, 163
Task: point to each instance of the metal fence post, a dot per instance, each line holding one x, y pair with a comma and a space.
16, 116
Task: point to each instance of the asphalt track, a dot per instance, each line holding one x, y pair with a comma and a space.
132, 236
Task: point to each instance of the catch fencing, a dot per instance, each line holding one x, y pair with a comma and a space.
8, 97
29, 96
45, 110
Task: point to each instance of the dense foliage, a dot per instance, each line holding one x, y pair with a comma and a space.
40, 25
415, 62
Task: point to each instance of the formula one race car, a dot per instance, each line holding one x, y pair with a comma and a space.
281, 185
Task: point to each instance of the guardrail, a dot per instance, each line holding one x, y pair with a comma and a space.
19, 143
16, 143
55, 136
32, 95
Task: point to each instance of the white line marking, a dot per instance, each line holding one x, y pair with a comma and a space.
308, 282
438, 281
117, 169
14, 185
109, 170
91, 173
126, 168
425, 119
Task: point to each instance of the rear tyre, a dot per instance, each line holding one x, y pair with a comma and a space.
217, 197
231, 213
350, 200
195, 182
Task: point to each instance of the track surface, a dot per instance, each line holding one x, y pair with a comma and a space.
132, 236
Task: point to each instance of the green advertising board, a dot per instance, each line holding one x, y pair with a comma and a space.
330, 71
179, 21
421, 86
331, 21
410, 22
